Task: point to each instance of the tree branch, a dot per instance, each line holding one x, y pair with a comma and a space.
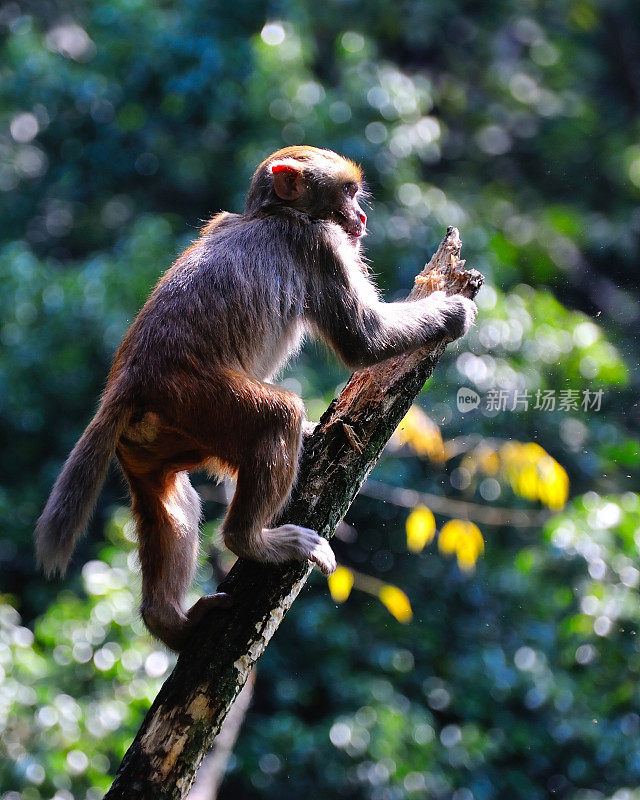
212, 771
189, 710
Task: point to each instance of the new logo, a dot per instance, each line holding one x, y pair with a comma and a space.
467, 399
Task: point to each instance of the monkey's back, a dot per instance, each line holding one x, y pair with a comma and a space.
234, 300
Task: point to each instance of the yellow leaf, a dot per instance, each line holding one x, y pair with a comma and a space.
421, 528
533, 451
340, 584
511, 452
474, 536
466, 565
467, 554
534, 474
396, 602
449, 535
421, 434
464, 539
527, 482
554, 484
488, 460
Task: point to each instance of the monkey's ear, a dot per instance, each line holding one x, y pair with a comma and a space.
288, 181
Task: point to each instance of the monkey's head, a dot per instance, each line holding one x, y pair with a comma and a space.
318, 183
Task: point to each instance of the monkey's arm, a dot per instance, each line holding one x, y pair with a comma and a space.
363, 330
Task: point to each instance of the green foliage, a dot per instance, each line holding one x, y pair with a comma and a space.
122, 127
74, 690
457, 700
536, 665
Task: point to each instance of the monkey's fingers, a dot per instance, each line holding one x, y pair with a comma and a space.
308, 427
323, 557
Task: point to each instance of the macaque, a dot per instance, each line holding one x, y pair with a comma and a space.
190, 384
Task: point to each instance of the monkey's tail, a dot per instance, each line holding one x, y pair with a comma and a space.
74, 494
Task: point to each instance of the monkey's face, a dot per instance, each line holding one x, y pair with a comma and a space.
317, 182
346, 211
331, 195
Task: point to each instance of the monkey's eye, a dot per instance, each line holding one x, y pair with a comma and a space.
350, 189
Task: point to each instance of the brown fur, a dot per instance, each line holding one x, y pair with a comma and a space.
189, 387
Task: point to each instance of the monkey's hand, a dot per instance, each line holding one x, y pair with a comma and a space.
456, 313
308, 427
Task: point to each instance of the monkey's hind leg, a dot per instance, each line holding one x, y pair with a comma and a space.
244, 534
265, 478
166, 508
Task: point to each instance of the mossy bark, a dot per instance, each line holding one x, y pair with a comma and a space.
182, 723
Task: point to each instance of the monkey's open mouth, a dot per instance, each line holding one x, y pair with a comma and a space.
348, 225
354, 231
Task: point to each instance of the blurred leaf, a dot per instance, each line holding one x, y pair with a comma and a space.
340, 584
421, 528
462, 538
397, 603
421, 434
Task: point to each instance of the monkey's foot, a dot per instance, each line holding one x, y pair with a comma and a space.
173, 626
198, 611
207, 601
292, 543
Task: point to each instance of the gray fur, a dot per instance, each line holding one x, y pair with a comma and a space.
251, 288
75, 492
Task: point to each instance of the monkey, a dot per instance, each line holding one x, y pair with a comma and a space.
190, 385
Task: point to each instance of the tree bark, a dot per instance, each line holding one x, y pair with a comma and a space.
188, 712
211, 773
